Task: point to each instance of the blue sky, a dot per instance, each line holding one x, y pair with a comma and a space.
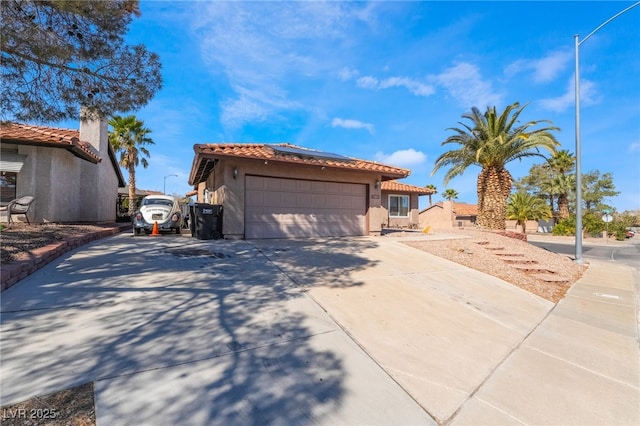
384, 80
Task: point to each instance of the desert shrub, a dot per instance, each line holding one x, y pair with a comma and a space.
591, 223
565, 227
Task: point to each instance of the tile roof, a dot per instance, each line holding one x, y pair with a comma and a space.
462, 209
202, 165
50, 137
394, 185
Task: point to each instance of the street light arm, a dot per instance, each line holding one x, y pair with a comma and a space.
164, 185
607, 21
578, 245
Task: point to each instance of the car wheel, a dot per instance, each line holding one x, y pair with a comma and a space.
137, 231
178, 231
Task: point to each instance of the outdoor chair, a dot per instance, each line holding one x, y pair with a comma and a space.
18, 206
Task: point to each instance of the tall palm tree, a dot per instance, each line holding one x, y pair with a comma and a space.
128, 138
561, 164
433, 188
450, 194
562, 186
522, 207
491, 141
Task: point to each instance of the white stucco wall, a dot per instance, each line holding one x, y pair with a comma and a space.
99, 182
67, 188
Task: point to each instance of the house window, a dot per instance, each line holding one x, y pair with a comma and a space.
7, 187
398, 206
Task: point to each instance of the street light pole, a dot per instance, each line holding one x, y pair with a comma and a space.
164, 186
578, 43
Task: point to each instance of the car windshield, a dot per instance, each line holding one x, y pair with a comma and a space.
156, 202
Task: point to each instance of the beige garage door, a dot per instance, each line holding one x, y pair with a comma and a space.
289, 208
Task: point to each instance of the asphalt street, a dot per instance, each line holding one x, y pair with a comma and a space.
626, 252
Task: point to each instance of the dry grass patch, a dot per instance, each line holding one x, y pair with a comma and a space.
70, 407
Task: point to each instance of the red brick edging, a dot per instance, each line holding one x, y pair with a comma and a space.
512, 234
28, 263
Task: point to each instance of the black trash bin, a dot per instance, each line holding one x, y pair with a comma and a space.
206, 221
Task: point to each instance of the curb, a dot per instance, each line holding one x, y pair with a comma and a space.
27, 263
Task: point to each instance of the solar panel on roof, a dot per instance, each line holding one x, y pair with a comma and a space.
280, 149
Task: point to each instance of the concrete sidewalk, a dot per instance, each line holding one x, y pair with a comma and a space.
472, 349
579, 366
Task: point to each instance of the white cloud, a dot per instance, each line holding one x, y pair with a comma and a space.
544, 69
262, 48
352, 124
403, 158
588, 96
464, 82
634, 147
346, 74
415, 87
236, 111
368, 82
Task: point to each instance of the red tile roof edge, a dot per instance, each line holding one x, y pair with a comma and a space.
52, 137
262, 151
394, 185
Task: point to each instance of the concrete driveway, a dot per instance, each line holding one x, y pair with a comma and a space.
335, 331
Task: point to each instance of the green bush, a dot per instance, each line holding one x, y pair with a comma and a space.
591, 223
565, 227
618, 229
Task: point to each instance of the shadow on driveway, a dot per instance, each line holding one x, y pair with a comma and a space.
181, 331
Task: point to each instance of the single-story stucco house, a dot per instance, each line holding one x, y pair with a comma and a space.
448, 214
400, 201
73, 175
286, 191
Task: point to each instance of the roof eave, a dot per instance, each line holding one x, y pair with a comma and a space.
204, 163
72, 148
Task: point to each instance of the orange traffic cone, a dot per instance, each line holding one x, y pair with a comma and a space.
155, 231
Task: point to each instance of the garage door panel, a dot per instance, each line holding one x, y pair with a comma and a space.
304, 200
253, 182
289, 200
318, 201
333, 202
255, 198
273, 184
318, 187
303, 186
289, 208
279, 230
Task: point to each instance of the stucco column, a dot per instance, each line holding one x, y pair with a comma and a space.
377, 215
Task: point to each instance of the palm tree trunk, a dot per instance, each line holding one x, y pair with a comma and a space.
132, 189
563, 207
494, 187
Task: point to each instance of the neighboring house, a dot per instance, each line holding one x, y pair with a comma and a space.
73, 174
448, 214
400, 202
285, 191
